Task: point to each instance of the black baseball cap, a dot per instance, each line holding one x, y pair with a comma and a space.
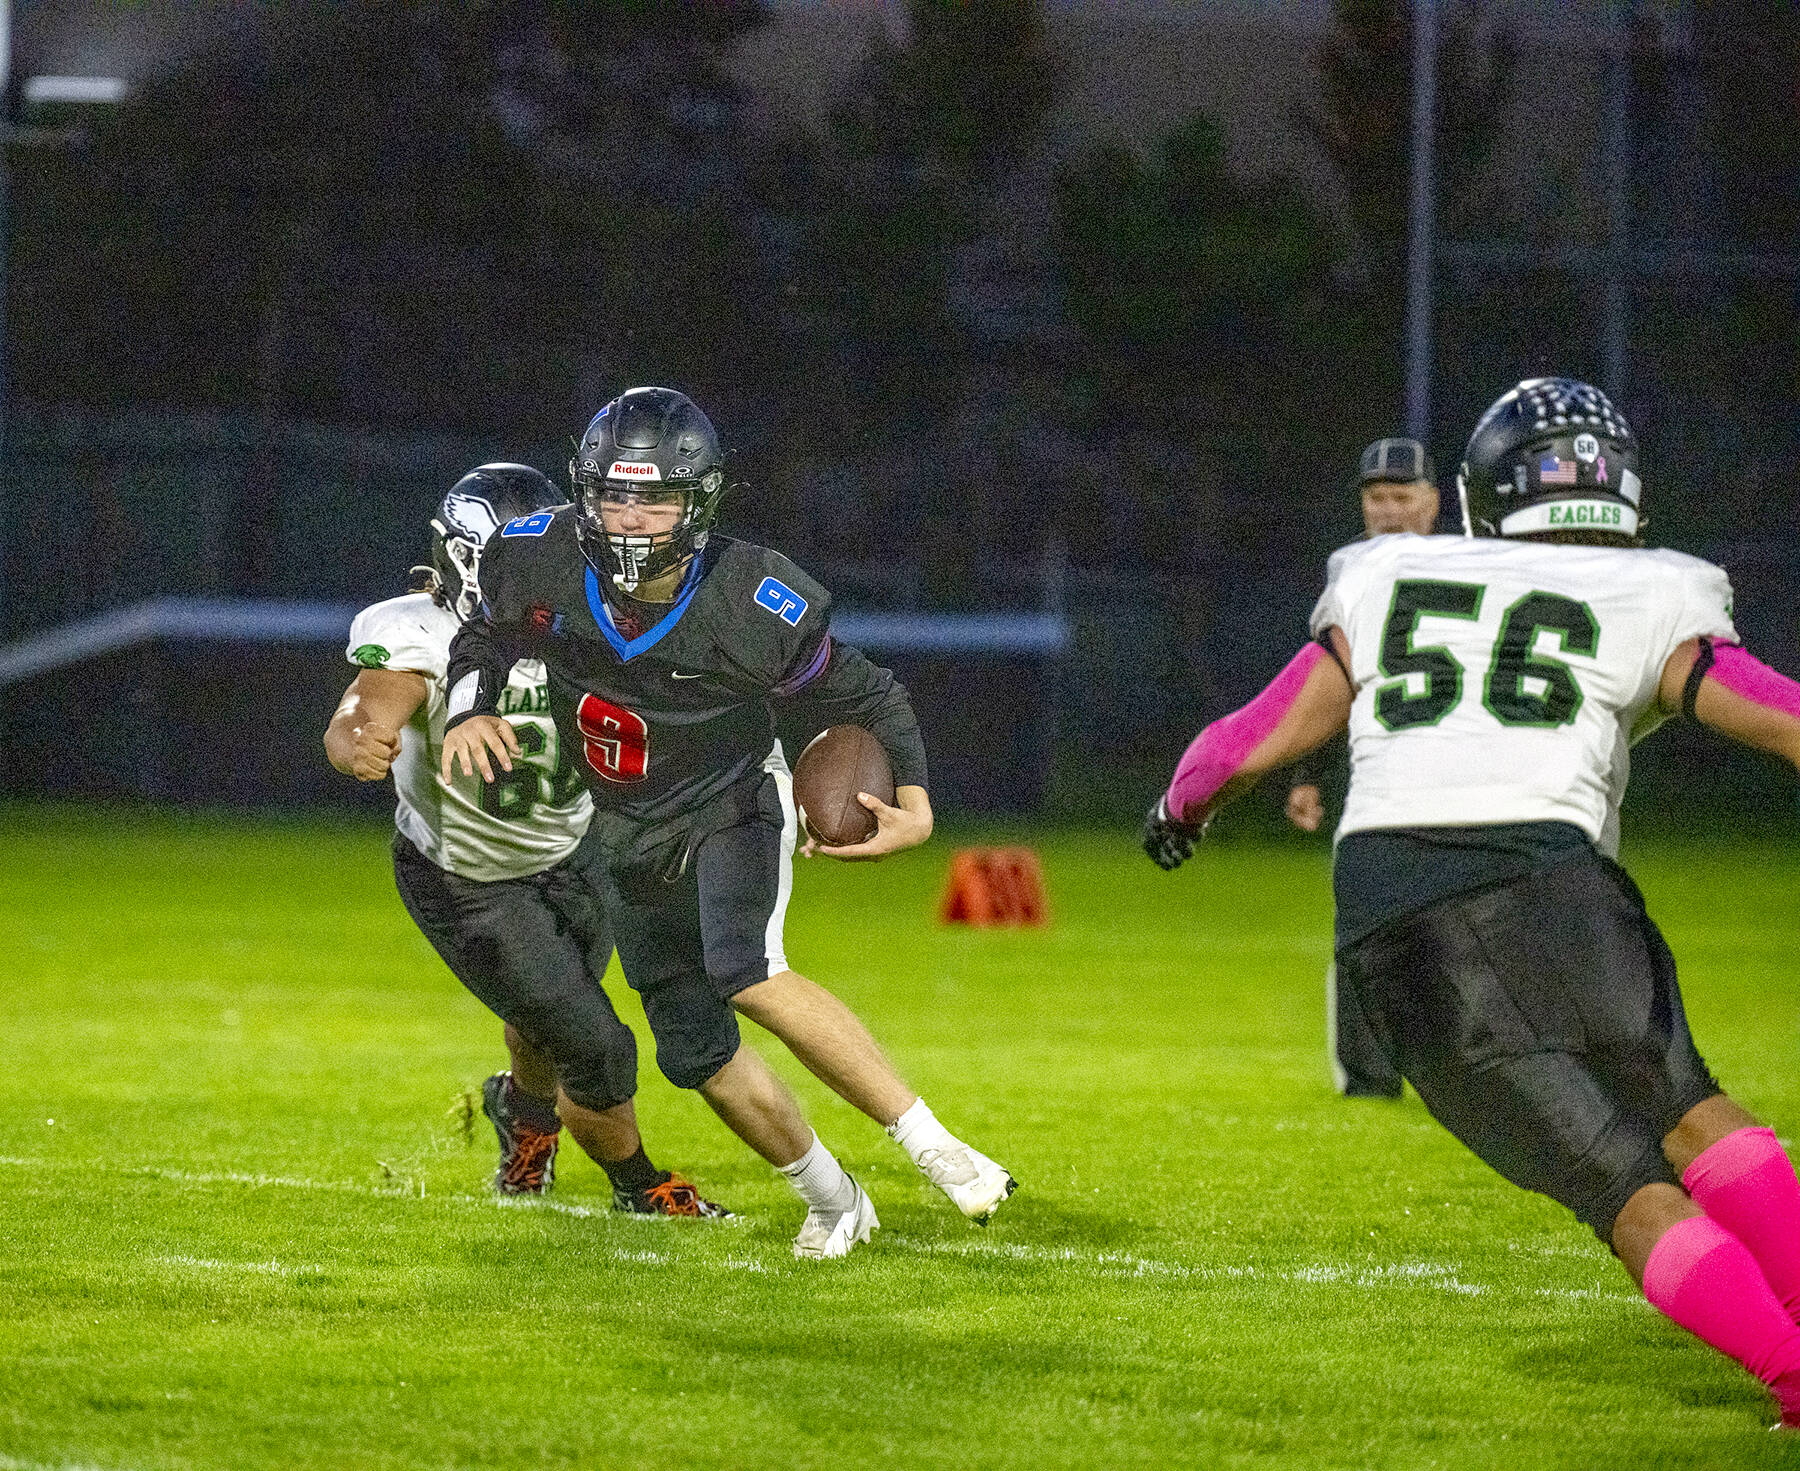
1395, 459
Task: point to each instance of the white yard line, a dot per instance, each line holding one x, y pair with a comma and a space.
1431, 1276
1437, 1275
404, 1191
12, 1463
190, 1177
209, 1264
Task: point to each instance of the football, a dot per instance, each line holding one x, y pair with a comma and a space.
836, 765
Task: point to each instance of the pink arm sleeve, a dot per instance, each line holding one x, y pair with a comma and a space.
1746, 675
1219, 752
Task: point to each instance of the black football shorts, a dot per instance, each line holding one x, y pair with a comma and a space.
533, 951
1540, 1021
697, 913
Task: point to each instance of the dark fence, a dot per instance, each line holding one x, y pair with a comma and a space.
107, 511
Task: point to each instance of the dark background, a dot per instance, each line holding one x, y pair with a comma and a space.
969, 349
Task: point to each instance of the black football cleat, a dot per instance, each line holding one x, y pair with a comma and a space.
674, 1197
527, 1155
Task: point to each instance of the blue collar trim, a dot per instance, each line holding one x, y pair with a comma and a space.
627, 651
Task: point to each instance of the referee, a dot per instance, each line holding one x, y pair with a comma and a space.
1396, 483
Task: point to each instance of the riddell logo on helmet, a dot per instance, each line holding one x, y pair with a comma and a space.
633, 470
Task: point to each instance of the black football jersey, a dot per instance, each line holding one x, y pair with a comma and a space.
663, 718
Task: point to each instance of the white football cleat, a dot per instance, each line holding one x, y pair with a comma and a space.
832, 1233
973, 1182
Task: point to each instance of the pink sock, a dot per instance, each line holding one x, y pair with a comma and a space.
1705, 1279
1746, 1183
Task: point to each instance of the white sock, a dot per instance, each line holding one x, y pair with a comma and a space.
820, 1180
918, 1130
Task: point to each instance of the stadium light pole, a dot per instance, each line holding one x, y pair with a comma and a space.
1617, 326
1422, 223
5, 252
35, 90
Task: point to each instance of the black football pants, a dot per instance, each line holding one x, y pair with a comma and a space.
532, 950
1541, 1023
1360, 1065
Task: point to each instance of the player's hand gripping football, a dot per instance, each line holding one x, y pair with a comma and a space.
904, 826
478, 743
1168, 841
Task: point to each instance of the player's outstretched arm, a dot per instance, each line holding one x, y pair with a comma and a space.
363, 738
1305, 705
1729, 689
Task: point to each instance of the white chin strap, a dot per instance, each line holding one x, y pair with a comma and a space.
634, 552
1462, 501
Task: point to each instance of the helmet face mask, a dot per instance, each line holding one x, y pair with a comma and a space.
464, 554
651, 441
471, 511
639, 557
1552, 456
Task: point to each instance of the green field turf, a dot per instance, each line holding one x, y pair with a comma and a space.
245, 1224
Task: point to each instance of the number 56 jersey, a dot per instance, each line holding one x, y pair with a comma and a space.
1504, 681
526, 820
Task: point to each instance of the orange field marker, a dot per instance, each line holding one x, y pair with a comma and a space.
995, 886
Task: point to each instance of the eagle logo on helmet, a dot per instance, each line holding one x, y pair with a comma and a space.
471, 511
469, 514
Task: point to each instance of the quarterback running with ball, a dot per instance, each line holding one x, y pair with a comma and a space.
675, 658
1493, 685
494, 874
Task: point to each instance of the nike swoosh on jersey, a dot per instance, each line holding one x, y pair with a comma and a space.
677, 674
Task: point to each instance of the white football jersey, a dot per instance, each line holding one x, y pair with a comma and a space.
526, 820
1504, 681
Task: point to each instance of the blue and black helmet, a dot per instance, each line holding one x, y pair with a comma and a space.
652, 442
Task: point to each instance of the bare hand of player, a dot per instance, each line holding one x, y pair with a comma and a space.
1305, 807
477, 743
896, 828
373, 749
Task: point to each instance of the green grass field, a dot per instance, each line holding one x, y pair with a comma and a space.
245, 1222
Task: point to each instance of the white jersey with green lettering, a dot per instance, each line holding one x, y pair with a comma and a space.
527, 819
1504, 681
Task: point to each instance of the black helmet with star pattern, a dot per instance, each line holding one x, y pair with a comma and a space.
1552, 455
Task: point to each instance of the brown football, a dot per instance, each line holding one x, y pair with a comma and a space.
834, 767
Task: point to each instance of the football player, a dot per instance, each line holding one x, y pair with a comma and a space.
1397, 487
675, 658
1492, 685
493, 873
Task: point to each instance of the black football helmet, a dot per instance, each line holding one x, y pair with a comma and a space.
647, 441
1551, 454
471, 511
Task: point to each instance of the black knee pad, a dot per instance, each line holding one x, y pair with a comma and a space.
600, 1078
594, 1052
1542, 1121
696, 1031
1599, 1193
